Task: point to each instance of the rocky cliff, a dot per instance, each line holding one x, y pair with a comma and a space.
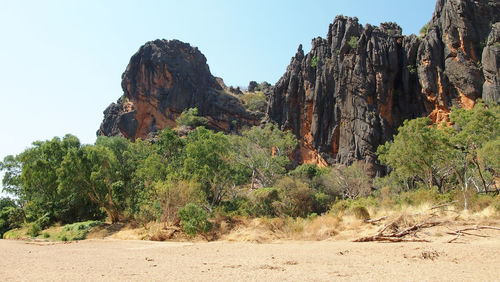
344, 98
356, 86
164, 78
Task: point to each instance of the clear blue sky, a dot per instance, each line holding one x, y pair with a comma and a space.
61, 61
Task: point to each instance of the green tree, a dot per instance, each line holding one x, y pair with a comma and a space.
207, 160
32, 177
100, 172
264, 151
415, 151
473, 135
194, 219
11, 215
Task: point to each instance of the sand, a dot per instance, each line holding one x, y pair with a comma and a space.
476, 259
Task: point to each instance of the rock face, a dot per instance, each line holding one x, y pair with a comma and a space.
353, 89
164, 78
491, 66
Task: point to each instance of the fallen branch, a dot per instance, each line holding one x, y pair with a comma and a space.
398, 236
375, 219
462, 232
442, 205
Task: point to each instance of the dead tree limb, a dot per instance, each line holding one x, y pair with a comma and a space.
442, 205
375, 219
462, 232
398, 236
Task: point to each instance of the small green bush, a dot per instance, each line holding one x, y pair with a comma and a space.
76, 231
194, 219
424, 195
255, 102
322, 202
34, 229
412, 69
353, 42
424, 29
189, 117
264, 201
308, 171
314, 62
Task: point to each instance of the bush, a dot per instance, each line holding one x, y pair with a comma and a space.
296, 196
422, 196
76, 231
355, 206
265, 202
347, 182
353, 42
236, 206
314, 62
424, 29
189, 117
34, 229
308, 171
10, 217
194, 219
255, 102
322, 203
163, 200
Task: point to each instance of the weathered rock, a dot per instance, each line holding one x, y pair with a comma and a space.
449, 58
354, 88
491, 66
252, 85
164, 78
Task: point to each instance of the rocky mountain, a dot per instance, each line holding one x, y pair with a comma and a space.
354, 88
164, 78
344, 98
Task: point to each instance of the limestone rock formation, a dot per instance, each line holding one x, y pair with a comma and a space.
164, 78
353, 89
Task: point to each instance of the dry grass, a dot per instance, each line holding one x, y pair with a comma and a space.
341, 225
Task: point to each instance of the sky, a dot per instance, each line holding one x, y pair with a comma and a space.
61, 61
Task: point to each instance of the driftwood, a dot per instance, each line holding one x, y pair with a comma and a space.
459, 233
398, 235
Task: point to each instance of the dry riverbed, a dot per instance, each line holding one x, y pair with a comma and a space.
476, 259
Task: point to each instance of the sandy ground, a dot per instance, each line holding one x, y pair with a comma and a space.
108, 260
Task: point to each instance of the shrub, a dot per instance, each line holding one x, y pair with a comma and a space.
296, 197
189, 117
308, 171
347, 182
422, 196
265, 202
424, 29
314, 62
194, 219
412, 69
255, 101
353, 42
76, 231
322, 203
34, 229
